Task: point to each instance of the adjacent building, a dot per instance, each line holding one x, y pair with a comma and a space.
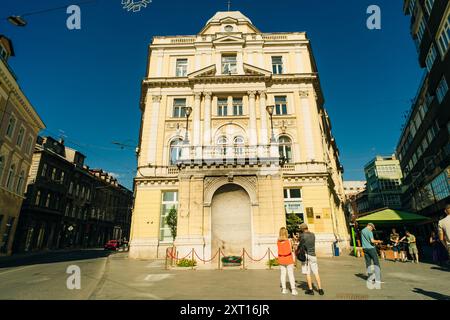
19, 127
68, 204
424, 145
384, 182
234, 135
353, 191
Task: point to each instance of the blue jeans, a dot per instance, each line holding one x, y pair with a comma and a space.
371, 257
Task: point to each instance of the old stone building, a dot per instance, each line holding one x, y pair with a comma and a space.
19, 127
234, 136
68, 204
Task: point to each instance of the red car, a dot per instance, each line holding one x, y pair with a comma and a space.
112, 245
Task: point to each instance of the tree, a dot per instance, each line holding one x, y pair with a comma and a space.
292, 222
171, 221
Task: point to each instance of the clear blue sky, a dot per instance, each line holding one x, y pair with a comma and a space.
86, 83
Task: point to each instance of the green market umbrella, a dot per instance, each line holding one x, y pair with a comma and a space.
391, 217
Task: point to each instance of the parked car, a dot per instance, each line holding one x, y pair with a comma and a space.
112, 245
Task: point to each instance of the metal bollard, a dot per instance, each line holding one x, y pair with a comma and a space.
243, 258
268, 252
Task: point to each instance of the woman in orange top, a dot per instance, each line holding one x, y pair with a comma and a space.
286, 261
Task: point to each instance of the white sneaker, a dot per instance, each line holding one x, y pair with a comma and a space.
294, 292
284, 291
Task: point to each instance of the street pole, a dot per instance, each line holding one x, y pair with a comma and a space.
354, 240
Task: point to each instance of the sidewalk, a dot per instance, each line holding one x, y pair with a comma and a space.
342, 277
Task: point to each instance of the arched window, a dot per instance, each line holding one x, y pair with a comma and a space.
175, 151
10, 180
20, 183
285, 148
239, 146
222, 142
37, 201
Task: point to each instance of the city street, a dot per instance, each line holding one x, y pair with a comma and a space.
112, 277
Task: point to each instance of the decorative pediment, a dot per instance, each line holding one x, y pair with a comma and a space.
228, 20
207, 71
229, 40
252, 70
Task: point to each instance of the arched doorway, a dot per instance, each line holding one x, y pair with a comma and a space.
231, 228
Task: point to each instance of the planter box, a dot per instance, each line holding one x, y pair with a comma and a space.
231, 264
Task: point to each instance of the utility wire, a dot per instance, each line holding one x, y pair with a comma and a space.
27, 14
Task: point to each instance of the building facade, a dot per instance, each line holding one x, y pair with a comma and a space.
19, 127
68, 205
424, 146
207, 147
384, 183
353, 191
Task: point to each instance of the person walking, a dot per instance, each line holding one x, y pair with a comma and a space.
308, 242
412, 245
439, 251
286, 261
370, 252
394, 239
444, 230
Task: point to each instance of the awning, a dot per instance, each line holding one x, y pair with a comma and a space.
388, 216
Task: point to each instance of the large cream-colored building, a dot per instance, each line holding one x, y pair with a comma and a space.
230, 179
19, 126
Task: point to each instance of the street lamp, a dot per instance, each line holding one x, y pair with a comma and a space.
188, 111
269, 110
17, 21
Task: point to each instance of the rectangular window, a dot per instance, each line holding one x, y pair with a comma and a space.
444, 37
429, 6
20, 136
11, 127
181, 67
440, 186
29, 145
412, 6
293, 202
421, 30
431, 56
222, 107
237, 107
229, 64
169, 202
280, 105
442, 90
179, 108
277, 65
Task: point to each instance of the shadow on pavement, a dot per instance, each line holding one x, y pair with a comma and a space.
52, 257
361, 275
441, 268
431, 294
302, 285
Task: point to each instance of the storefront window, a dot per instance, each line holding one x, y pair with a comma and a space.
169, 201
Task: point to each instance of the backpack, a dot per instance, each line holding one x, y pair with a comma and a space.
300, 253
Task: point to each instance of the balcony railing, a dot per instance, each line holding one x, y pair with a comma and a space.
229, 154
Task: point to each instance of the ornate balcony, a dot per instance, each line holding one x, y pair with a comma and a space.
229, 154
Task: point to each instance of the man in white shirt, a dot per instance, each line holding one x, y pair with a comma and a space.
444, 229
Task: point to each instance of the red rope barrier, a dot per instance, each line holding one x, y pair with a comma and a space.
254, 260
173, 257
195, 252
